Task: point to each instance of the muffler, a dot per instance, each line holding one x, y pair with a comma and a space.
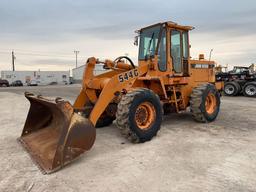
54, 134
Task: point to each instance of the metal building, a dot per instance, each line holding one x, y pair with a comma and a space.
79, 71
40, 77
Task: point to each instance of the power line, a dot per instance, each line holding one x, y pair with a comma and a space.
50, 55
43, 53
37, 52
3, 52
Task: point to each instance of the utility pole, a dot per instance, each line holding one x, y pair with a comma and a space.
126, 54
13, 58
76, 52
210, 55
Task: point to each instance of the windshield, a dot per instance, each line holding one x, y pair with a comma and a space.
148, 42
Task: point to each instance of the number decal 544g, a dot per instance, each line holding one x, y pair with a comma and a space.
128, 75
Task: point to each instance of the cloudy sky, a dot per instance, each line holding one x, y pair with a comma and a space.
45, 33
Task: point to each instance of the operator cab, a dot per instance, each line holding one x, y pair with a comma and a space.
170, 43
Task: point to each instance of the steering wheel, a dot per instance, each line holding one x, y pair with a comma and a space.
124, 57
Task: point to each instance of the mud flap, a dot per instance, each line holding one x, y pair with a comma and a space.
53, 134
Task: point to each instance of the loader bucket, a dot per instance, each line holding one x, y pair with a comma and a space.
53, 134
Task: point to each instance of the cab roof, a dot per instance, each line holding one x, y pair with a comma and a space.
171, 25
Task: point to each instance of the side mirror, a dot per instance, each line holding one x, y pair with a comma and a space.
136, 40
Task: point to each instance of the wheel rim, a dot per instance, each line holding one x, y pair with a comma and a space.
210, 103
250, 90
229, 89
145, 115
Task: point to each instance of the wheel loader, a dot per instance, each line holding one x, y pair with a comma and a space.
136, 97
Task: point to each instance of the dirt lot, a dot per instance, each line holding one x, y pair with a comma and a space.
185, 155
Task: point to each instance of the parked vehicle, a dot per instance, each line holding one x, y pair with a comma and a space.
32, 83
71, 80
4, 83
239, 80
65, 82
17, 83
53, 83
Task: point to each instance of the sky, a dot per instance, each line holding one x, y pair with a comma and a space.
44, 33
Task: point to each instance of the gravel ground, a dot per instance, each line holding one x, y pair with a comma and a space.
185, 155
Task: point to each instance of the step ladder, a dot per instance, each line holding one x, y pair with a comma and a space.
177, 101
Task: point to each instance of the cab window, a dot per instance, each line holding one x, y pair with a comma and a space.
185, 45
162, 52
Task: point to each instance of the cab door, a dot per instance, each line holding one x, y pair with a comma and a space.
179, 52
176, 51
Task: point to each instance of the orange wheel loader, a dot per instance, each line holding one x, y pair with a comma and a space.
165, 80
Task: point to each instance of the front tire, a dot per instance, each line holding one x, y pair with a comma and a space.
104, 121
106, 118
205, 103
139, 115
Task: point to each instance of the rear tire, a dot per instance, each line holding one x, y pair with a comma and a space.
232, 88
249, 89
139, 115
205, 103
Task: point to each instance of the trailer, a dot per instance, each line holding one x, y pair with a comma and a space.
240, 80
